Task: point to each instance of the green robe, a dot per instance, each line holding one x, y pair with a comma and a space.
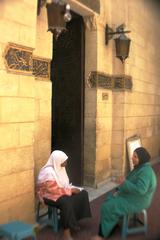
132, 196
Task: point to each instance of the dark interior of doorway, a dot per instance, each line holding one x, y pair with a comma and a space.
67, 74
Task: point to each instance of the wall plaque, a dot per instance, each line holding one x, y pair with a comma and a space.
114, 82
41, 67
18, 59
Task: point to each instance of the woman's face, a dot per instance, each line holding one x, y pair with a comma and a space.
135, 159
64, 164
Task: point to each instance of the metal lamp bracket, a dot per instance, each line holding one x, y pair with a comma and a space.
109, 32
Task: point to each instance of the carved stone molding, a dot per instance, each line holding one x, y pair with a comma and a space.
113, 82
90, 22
92, 4
41, 67
20, 60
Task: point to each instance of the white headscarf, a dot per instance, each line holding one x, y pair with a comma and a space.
52, 170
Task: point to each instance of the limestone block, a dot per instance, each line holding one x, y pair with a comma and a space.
104, 123
44, 109
103, 152
19, 208
27, 36
140, 98
118, 110
117, 150
136, 122
104, 109
136, 37
103, 165
43, 129
91, 95
140, 62
2, 64
17, 33
90, 109
26, 86
103, 138
43, 36
22, 12
139, 110
118, 123
17, 109
10, 133
90, 140
9, 30
89, 156
89, 180
119, 97
90, 124
37, 106
42, 149
91, 43
117, 137
131, 132
26, 135
135, 72
16, 184
9, 85
43, 89
89, 168
44, 50
149, 131
140, 86
18, 159
117, 164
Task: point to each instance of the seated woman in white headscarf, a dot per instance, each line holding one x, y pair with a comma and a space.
53, 188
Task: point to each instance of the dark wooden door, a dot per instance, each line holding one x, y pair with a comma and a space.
67, 99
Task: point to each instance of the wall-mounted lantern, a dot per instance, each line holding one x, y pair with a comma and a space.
58, 14
122, 43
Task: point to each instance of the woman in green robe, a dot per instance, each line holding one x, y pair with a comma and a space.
134, 194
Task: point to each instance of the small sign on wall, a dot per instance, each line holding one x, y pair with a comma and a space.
104, 96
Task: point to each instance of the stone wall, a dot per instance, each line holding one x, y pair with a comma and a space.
24, 108
43, 94
142, 109
114, 115
136, 111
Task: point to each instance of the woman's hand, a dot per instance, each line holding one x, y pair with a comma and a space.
120, 180
75, 190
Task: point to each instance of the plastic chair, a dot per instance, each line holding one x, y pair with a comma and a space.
17, 230
141, 228
48, 216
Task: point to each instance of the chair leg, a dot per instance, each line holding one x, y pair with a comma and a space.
38, 210
124, 227
52, 216
145, 221
55, 218
136, 228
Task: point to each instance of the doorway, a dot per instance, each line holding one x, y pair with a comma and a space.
67, 74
